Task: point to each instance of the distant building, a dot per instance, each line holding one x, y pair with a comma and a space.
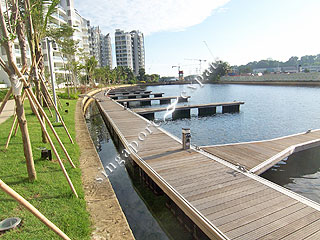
130, 49
262, 70
138, 56
87, 38
290, 69
94, 40
123, 49
311, 68
105, 51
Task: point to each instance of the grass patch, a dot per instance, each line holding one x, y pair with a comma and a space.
3, 93
50, 194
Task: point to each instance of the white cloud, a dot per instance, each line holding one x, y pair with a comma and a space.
149, 16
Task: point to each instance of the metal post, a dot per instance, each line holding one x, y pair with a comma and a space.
186, 138
53, 76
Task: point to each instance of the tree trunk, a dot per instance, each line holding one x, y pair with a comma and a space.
39, 69
20, 29
19, 105
25, 138
39, 98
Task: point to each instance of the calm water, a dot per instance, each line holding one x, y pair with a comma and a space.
268, 112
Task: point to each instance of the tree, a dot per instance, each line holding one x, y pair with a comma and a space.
100, 74
142, 74
9, 67
90, 66
68, 47
216, 70
244, 69
37, 14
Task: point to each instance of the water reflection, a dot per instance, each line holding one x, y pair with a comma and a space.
299, 173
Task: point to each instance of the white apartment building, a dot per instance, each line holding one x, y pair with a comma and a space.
123, 49
130, 49
105, 51
59, 18
137, 51
81, 28
94, 40
87, 38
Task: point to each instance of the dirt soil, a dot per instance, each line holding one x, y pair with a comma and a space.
108, 220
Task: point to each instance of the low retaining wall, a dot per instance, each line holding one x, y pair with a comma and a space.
292, 77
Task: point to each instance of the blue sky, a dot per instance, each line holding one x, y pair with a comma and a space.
236, 31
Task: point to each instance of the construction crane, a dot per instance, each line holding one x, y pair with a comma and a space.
200, 60
208, 49
180, 72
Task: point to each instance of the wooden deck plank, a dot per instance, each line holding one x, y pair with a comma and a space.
185, 107
292, 227
251, 213
239, 231
304, 232
274, 225
252, 154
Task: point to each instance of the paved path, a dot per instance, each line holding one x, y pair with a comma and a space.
7, 111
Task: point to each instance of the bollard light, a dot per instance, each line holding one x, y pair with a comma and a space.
46, 154
9, 223
186, 138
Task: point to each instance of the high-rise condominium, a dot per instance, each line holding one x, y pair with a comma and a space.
130, 50
105, 51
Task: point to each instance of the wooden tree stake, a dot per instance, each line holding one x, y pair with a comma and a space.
31, 95
5, 100
55, 107
50, 141
45, 100
14, 123
32, 209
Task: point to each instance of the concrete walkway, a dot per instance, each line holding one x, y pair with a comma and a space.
8, 111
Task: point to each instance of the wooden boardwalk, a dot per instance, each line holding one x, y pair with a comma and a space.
129, 92
223, 201
147, 101
261, 155
184, 111
134, 95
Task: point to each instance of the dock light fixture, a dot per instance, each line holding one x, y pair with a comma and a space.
9, 223
46, 154
186, 138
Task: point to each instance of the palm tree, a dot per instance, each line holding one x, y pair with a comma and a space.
90, 66
37, 14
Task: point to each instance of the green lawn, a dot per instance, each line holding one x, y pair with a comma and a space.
3, 93
50, 193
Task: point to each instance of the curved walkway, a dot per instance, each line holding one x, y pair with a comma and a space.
8, 111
